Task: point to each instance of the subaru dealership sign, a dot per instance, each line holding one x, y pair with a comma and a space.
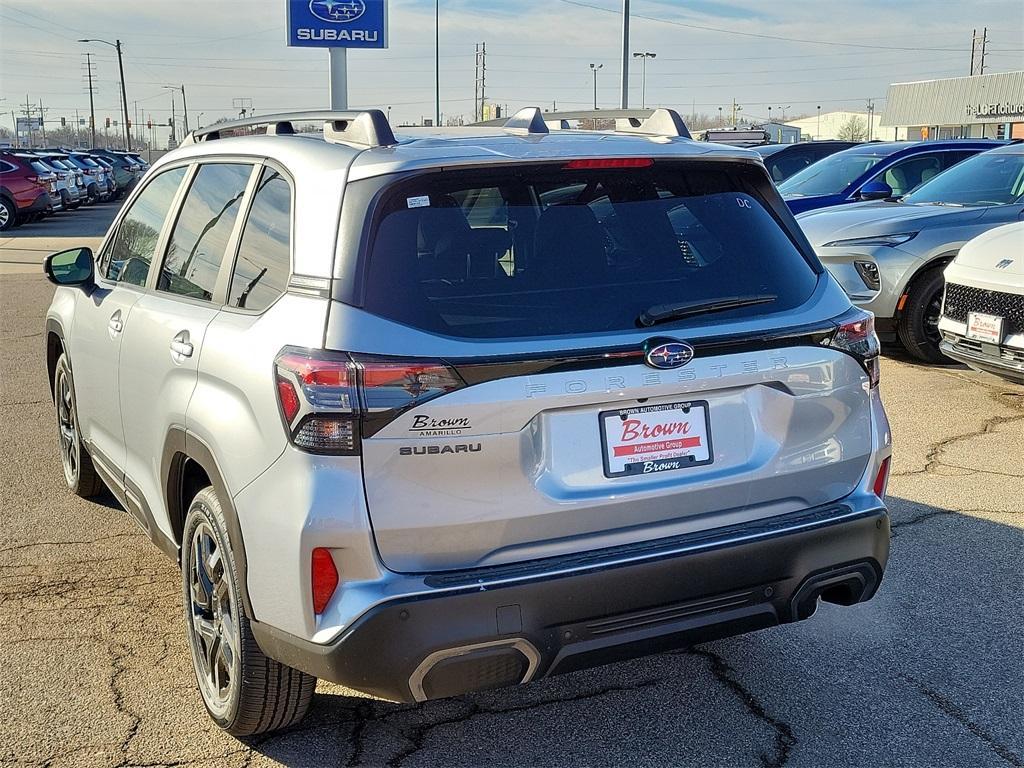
338, 23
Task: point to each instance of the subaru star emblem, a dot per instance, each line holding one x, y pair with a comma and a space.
668, 353
340, 11
1004, 263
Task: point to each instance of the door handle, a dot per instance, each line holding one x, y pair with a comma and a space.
180, 347
115, 325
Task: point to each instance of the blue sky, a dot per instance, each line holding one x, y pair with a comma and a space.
539, 52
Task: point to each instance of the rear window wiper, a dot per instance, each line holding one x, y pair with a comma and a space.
663, 313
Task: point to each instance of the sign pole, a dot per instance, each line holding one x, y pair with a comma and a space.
338, 77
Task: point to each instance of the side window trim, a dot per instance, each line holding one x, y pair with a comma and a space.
172, 220
280, 169
169, 221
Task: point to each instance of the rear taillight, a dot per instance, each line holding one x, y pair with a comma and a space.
32, 179
855, 335
603, 163
329, 399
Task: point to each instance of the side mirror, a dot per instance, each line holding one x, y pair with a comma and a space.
875, 190
72, 267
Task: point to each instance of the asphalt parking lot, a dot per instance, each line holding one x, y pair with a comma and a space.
94, 666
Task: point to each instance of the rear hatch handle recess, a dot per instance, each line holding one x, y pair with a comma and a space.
663, 313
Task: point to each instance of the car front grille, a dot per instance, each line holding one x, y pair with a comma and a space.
961, 299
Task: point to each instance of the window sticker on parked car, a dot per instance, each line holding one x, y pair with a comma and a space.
420, 201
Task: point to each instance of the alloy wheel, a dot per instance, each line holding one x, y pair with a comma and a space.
213, 626
67, 430
5, 215
931, 319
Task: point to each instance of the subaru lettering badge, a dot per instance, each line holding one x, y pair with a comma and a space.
667, 353
340, 11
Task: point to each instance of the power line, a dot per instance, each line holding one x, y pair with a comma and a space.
760, 35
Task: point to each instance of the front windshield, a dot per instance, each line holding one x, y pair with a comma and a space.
829, 176
985, 179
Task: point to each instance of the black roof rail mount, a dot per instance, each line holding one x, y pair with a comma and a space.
361, 128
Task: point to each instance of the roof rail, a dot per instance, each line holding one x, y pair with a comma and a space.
362, 128
527, 121
662, 122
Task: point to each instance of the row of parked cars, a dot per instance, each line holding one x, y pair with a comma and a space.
889, 219
36, 182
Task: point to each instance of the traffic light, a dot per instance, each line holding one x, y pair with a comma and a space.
170, 122
108, 123
63, 122
129, 123
149, 124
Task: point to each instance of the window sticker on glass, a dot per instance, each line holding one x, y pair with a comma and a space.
420, 201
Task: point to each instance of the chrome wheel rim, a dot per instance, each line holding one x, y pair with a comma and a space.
213, 627
67, 430
5, 214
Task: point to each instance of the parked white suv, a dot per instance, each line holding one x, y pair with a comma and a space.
982, 321
444, 413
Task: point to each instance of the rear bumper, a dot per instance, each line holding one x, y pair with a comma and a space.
41, 203
485, 628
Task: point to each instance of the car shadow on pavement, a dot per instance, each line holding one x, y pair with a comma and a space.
929, 672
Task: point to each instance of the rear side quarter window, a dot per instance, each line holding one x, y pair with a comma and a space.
264, 252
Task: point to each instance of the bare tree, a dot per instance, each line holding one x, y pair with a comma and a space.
854, 129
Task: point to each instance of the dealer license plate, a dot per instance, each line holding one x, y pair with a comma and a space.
981, 327
655, 438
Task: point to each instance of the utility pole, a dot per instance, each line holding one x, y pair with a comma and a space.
116, 45
172, 138
437, 62
28, 116
42, 121
480, 82
978, 56
871, 116
184, 106
92, 107
594, 68
624, 88
736, 109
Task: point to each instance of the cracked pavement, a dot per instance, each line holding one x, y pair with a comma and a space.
94, 666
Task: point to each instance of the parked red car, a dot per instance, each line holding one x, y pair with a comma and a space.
27, 188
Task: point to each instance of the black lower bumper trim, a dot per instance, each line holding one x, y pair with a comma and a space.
580, 619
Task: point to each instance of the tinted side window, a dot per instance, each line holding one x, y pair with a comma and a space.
264, 254
130, 253
201, 233
911, 171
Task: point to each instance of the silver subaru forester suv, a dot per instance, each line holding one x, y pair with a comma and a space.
433, 414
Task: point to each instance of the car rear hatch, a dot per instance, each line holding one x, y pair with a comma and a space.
557, 358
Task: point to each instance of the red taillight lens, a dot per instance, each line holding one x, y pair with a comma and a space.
323, 578
608, 162
882, 478
330, 399
855, 335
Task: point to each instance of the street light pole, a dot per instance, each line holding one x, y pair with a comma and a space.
124, 95
643, 76
184, 105
818, 136
437, 63
594, 68
624, 90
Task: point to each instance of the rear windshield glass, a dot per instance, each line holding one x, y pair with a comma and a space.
831, 175
546, 250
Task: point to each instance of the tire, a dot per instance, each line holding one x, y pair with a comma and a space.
260, 694
8, 214
918, 325
91, 194
79, 472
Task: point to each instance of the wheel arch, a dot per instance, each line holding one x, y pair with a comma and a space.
55, 346
939, 261
188, 465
